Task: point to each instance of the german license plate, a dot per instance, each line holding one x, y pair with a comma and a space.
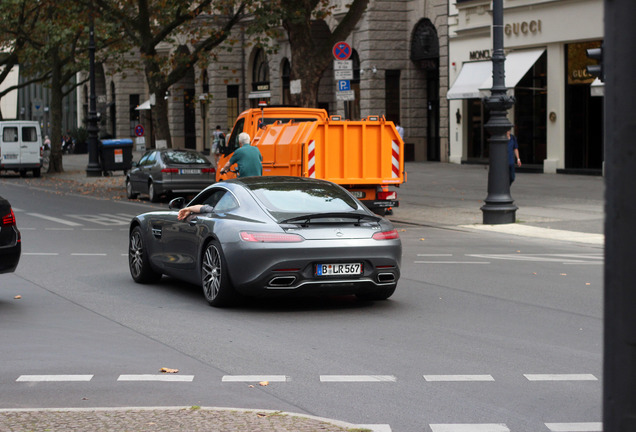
338, 269
10, 156
190, 171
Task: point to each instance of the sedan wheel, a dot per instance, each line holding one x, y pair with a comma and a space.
152, 193
130, 194
217, 288
138, 260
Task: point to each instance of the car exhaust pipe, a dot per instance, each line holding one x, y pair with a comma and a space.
386, 277
282, 281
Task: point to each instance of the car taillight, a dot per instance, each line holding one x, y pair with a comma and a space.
266, 237
208, 170
387, 195
386, 235
8, 219
170, 170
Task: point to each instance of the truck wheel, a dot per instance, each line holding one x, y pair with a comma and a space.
23, 173
36, 172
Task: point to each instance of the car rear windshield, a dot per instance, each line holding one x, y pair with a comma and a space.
184, 158
285, 200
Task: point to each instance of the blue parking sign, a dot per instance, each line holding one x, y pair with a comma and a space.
344, 85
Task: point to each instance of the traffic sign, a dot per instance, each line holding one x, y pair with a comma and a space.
344, 85
343, 65
348, 95
139, 130
343, 74
341, 51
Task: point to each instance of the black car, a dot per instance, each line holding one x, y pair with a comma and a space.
269, 236
10, 238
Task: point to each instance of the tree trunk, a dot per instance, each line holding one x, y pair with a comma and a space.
160, 123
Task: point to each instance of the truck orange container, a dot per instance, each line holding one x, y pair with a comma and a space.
365, 156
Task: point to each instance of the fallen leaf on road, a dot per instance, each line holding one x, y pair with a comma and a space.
261, 414
263, 383
422, 239
18, 297
564, 274
168, 370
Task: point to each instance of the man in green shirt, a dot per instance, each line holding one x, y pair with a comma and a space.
248, 158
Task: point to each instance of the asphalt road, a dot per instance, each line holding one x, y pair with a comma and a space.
494, 331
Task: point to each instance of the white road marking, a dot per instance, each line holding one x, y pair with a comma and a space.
97, 229
54, 219
451, 378
104, 218
575, 427
254, 378
59, 229
560, 377
53, 378
483, 427
156, 377
357, 378
89, 254
560, 258
451, 262
434, 255
41, 253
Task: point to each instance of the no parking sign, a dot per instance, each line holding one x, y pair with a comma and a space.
342, 51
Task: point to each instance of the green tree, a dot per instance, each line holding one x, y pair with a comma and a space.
192, 29
311, 41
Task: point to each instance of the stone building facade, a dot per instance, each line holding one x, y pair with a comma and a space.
400, 58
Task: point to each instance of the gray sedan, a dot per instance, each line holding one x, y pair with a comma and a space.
160, 172
269, 236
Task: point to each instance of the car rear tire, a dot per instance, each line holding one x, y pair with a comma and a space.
138, 260
378, 294
130, 194
215, 281
152, 193
36, 172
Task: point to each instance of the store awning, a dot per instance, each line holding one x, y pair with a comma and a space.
470, 80
517, 64
144, 106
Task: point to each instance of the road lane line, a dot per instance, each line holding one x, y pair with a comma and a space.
88, 254
575, 427
156, 377
560, 377
41, 253
357, 378
451, 262
435, 255
458, 378
54, 219
476, 427
254, 378
53, 378
59, 229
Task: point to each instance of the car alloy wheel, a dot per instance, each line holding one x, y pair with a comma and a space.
152, 193
140, 268
130, 194
217, 288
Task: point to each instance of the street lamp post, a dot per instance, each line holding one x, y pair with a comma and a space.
93, 168
499, 207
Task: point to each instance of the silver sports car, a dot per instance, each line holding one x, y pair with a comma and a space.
269, 235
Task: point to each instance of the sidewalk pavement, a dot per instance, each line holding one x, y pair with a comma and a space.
556, 206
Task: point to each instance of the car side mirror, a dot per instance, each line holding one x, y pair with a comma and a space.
177, 203
133, 164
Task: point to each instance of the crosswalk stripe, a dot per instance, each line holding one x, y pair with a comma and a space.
357, 378
156, 377
575, 427
441, 378
254, 378
560, 377
54, 219
53, 378
464, 427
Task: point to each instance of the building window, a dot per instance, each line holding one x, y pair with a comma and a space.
232, 106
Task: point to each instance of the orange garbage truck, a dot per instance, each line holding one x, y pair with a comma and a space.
366, 157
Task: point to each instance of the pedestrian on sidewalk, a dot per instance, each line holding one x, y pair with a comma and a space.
513, 155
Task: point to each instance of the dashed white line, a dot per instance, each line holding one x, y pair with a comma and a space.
476, 427
458, 378
53, 378
451, 262
89, 254
560, 377
575, 427
357, 378
41, 253
254, 378
156, 377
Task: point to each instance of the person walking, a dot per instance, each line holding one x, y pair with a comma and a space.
513, 155
248, 158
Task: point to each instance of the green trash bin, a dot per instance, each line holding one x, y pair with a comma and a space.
115, 154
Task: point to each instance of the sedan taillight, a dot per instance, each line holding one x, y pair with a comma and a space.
8, 219
386, 235
208, 171
266, 237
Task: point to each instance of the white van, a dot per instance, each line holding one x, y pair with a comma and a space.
21, 146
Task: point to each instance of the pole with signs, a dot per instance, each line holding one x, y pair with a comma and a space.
343, 71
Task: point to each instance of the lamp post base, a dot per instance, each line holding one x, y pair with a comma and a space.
497, 214
93, 170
